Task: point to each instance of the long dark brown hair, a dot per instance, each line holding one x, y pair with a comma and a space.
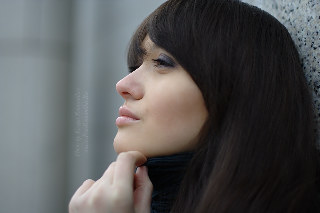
257, 150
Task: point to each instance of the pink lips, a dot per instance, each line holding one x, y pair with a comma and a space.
125, 117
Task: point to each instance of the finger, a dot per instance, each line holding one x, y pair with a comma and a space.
142, 191
84, 187
108, 174
141, 178
106, 178
125, 166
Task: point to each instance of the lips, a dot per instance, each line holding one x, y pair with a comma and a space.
126, 117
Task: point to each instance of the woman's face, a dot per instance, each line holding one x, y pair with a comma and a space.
163, 110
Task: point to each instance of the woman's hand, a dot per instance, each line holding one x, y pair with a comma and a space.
118, 190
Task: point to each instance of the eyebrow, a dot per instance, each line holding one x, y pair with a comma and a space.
147, 51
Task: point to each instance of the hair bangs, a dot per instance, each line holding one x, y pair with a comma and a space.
164, 29
135, 51
170, 29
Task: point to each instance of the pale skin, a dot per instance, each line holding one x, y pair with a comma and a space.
119, 190
168, 104
163, 114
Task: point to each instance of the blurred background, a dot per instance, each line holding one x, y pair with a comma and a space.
59, 63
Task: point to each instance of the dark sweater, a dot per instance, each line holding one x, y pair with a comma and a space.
166, 174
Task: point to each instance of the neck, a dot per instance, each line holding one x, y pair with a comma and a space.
166, 174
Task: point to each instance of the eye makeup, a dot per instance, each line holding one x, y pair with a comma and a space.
164, 61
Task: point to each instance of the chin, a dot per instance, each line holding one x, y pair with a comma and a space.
123, 143
118, 146
124, 147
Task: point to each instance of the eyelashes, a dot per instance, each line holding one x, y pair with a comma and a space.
164, 61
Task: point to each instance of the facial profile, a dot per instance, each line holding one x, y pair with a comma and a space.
163, 111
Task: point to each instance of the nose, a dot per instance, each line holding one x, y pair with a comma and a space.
130, 87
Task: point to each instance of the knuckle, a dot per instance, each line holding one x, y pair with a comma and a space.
122, 200
87, 181
119, 193
97, 199
127, 156
75, 205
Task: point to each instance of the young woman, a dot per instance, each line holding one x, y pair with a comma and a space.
217, 101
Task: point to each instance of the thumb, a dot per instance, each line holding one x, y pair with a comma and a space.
142, 190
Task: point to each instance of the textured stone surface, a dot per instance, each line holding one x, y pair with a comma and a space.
302, 19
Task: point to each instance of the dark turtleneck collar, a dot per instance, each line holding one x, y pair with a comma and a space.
166, 174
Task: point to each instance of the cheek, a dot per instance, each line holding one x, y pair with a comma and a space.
177, 116
169, 109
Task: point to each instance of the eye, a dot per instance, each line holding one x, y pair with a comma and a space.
164, 61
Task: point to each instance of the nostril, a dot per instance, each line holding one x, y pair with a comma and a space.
125, 93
